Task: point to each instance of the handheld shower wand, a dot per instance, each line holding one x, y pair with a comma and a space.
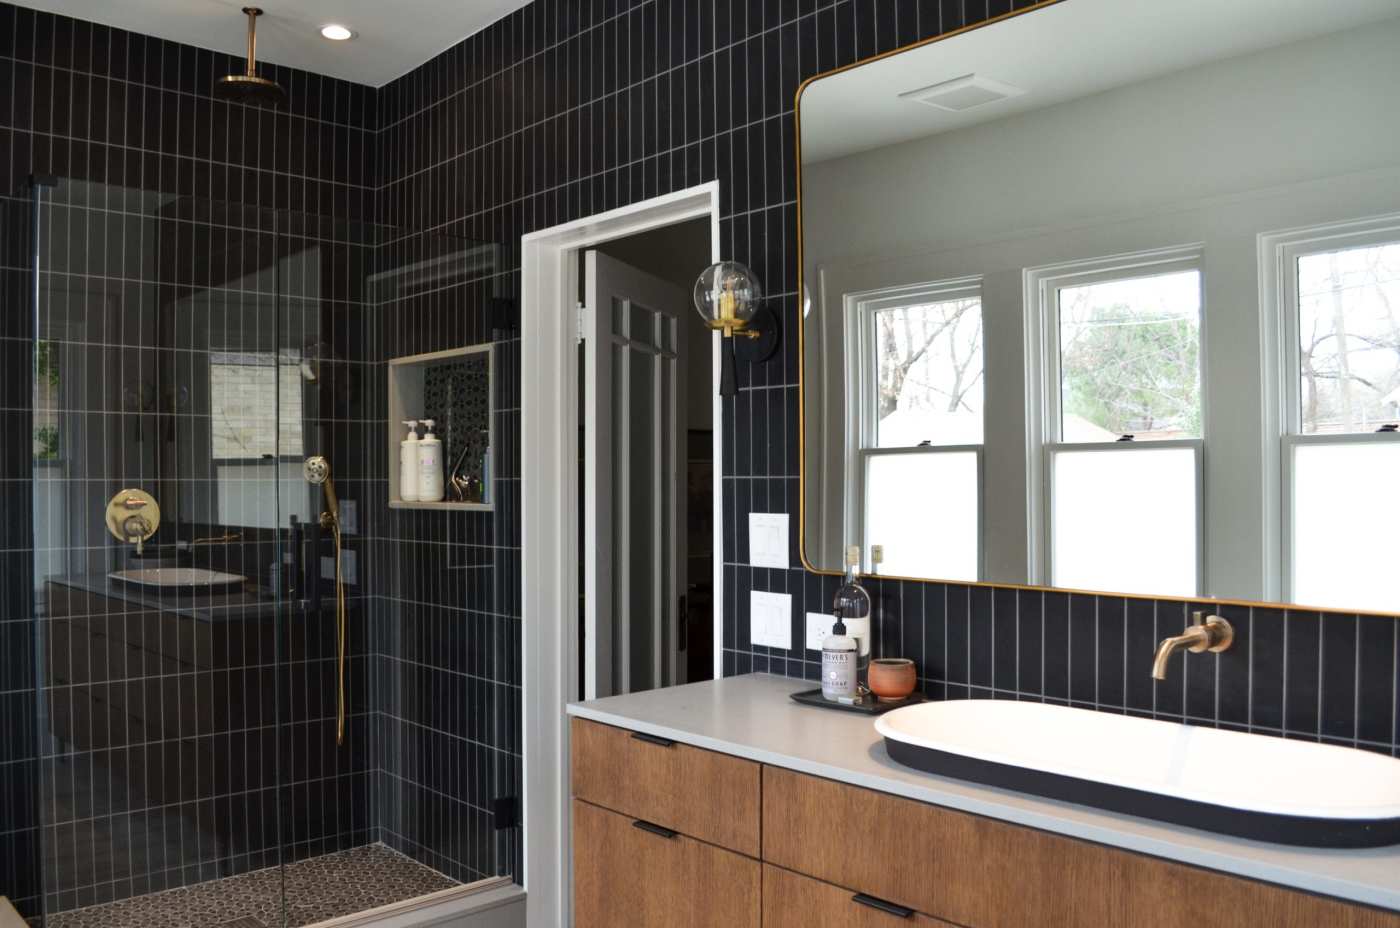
317, 471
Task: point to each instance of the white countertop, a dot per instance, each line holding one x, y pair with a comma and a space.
753, 717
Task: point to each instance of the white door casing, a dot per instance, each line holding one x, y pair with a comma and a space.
549, 520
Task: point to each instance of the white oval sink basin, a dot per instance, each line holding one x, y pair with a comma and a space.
1253, 786
179, 579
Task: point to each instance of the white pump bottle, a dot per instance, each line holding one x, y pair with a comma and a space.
408, 463
431, 485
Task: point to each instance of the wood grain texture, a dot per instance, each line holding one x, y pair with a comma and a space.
626, 876
983, 873
791, 900
710, 796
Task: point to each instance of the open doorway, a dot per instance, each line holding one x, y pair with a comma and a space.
551, 428
646, 439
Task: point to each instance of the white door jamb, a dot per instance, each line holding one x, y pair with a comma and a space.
550, 513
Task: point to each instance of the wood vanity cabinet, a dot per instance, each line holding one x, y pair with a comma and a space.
664, 834
667, 834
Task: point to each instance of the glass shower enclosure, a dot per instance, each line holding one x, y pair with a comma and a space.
202, 699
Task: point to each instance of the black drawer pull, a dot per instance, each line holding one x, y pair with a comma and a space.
889, 908
653, 739
655, 829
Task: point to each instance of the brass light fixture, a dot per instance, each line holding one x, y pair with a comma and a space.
729, 299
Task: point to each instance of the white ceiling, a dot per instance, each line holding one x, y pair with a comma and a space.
1059, 53
392, 36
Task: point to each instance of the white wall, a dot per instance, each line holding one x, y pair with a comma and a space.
1292, 136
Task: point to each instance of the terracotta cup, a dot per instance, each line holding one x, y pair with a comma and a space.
892, 677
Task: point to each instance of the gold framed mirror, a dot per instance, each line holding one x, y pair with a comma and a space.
1104, 296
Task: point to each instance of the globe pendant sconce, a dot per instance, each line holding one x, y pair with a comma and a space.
729, 299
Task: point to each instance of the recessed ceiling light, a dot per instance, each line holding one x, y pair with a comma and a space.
336, 32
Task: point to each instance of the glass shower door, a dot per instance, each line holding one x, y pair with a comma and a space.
158, 616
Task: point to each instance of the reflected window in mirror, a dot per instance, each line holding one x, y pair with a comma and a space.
255, 406
1341, 453
1130, 284
919, 390
1123, 430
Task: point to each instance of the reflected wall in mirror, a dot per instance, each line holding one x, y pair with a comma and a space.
1097, 298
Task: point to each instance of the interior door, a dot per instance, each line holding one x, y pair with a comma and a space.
631, 490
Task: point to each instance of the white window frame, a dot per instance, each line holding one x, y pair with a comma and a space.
1044, 413
1280, 299
862, 426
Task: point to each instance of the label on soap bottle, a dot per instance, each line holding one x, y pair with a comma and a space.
838, 672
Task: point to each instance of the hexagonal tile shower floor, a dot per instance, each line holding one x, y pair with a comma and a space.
317, 889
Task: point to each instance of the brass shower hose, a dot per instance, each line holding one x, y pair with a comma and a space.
341, 631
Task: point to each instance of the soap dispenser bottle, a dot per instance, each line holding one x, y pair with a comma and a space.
839, 651
431, 486
408, 463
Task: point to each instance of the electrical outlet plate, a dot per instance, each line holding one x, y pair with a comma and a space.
819, 626
770, 619
347, 568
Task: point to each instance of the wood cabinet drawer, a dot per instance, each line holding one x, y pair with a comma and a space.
794, 901
982, 873
625, 875
710, 796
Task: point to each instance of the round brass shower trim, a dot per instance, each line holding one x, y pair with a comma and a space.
133, 517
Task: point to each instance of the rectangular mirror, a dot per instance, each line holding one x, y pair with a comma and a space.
1105, 296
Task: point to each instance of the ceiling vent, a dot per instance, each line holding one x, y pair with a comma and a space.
963, 93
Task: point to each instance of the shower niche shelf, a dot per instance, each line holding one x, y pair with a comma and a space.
456, 389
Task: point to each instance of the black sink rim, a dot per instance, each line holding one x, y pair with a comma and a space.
1272, 827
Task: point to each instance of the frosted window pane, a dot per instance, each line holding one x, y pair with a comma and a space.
1349, 338
924, 509
1346, 504
1125, 520
1130, 358
929, 374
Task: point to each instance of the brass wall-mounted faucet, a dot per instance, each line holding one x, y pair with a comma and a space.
1209, 633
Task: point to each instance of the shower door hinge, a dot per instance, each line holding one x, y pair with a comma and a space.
580, 323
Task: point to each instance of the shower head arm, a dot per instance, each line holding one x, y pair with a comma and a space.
253, 14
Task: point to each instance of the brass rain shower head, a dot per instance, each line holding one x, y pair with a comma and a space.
248, 87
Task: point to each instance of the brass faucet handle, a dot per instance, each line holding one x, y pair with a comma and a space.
1220, 633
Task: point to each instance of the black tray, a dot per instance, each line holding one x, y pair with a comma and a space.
867, 704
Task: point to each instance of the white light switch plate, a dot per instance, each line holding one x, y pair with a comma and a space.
770, 619
768, 539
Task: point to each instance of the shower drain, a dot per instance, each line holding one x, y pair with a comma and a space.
246, 921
